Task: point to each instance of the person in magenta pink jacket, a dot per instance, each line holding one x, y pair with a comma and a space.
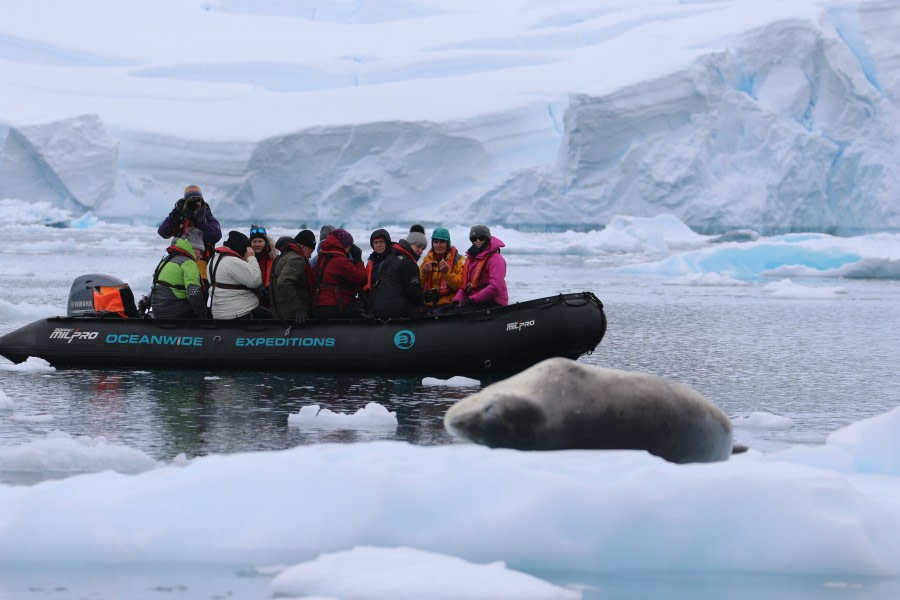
484, 276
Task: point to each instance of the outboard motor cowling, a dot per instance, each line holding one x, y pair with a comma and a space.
97, 295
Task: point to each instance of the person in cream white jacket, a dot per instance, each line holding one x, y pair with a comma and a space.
234, 276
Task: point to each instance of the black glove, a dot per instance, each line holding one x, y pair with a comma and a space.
356, 253
430, 295
300, 317
466, 303
177, 213
144, 305
453, 305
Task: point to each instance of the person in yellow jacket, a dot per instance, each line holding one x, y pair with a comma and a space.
441, 271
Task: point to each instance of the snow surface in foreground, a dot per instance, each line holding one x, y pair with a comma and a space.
409, 574
403, 518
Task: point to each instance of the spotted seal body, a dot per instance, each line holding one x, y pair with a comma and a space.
561, 404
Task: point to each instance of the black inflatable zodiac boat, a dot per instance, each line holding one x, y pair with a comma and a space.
502, 339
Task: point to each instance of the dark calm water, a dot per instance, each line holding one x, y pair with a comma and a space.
165, 413
823, 364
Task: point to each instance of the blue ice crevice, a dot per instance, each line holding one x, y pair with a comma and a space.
846, 22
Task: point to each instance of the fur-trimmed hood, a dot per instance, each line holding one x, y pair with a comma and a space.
273, 252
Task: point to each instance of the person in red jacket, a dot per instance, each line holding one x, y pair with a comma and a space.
264, 249
339, 278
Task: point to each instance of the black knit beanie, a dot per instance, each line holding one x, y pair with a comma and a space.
283, 241
237, 241
306, 238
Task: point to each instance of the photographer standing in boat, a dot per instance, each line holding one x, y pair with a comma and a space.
234, 276
192, 211
484, 277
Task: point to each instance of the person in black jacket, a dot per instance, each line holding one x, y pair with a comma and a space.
398, 292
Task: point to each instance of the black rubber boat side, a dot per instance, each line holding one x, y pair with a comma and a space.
502, 339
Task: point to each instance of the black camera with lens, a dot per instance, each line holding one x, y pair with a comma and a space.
430, 295
191, 205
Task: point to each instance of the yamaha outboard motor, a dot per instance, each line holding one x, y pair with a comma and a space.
97, 295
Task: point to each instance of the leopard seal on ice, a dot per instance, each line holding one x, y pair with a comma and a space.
561, 404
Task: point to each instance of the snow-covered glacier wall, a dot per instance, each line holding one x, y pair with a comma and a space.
71, 163
567, 118
794, 129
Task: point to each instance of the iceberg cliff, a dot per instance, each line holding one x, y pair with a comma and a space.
552, 115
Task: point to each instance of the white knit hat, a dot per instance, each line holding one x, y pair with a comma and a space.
195, 237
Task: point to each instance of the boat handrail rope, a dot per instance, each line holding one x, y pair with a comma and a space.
580, 299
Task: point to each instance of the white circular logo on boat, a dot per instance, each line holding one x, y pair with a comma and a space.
404, 339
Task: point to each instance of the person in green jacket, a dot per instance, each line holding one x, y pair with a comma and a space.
177, 292
292, 287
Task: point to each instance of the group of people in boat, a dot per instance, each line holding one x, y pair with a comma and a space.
298, 278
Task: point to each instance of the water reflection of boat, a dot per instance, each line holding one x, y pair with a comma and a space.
494, 340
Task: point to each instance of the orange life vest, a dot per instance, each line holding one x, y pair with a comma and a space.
450, 257
116, 299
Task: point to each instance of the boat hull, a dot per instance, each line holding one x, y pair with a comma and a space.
495, 340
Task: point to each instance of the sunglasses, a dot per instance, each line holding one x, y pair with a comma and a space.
257, 230
478, 238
